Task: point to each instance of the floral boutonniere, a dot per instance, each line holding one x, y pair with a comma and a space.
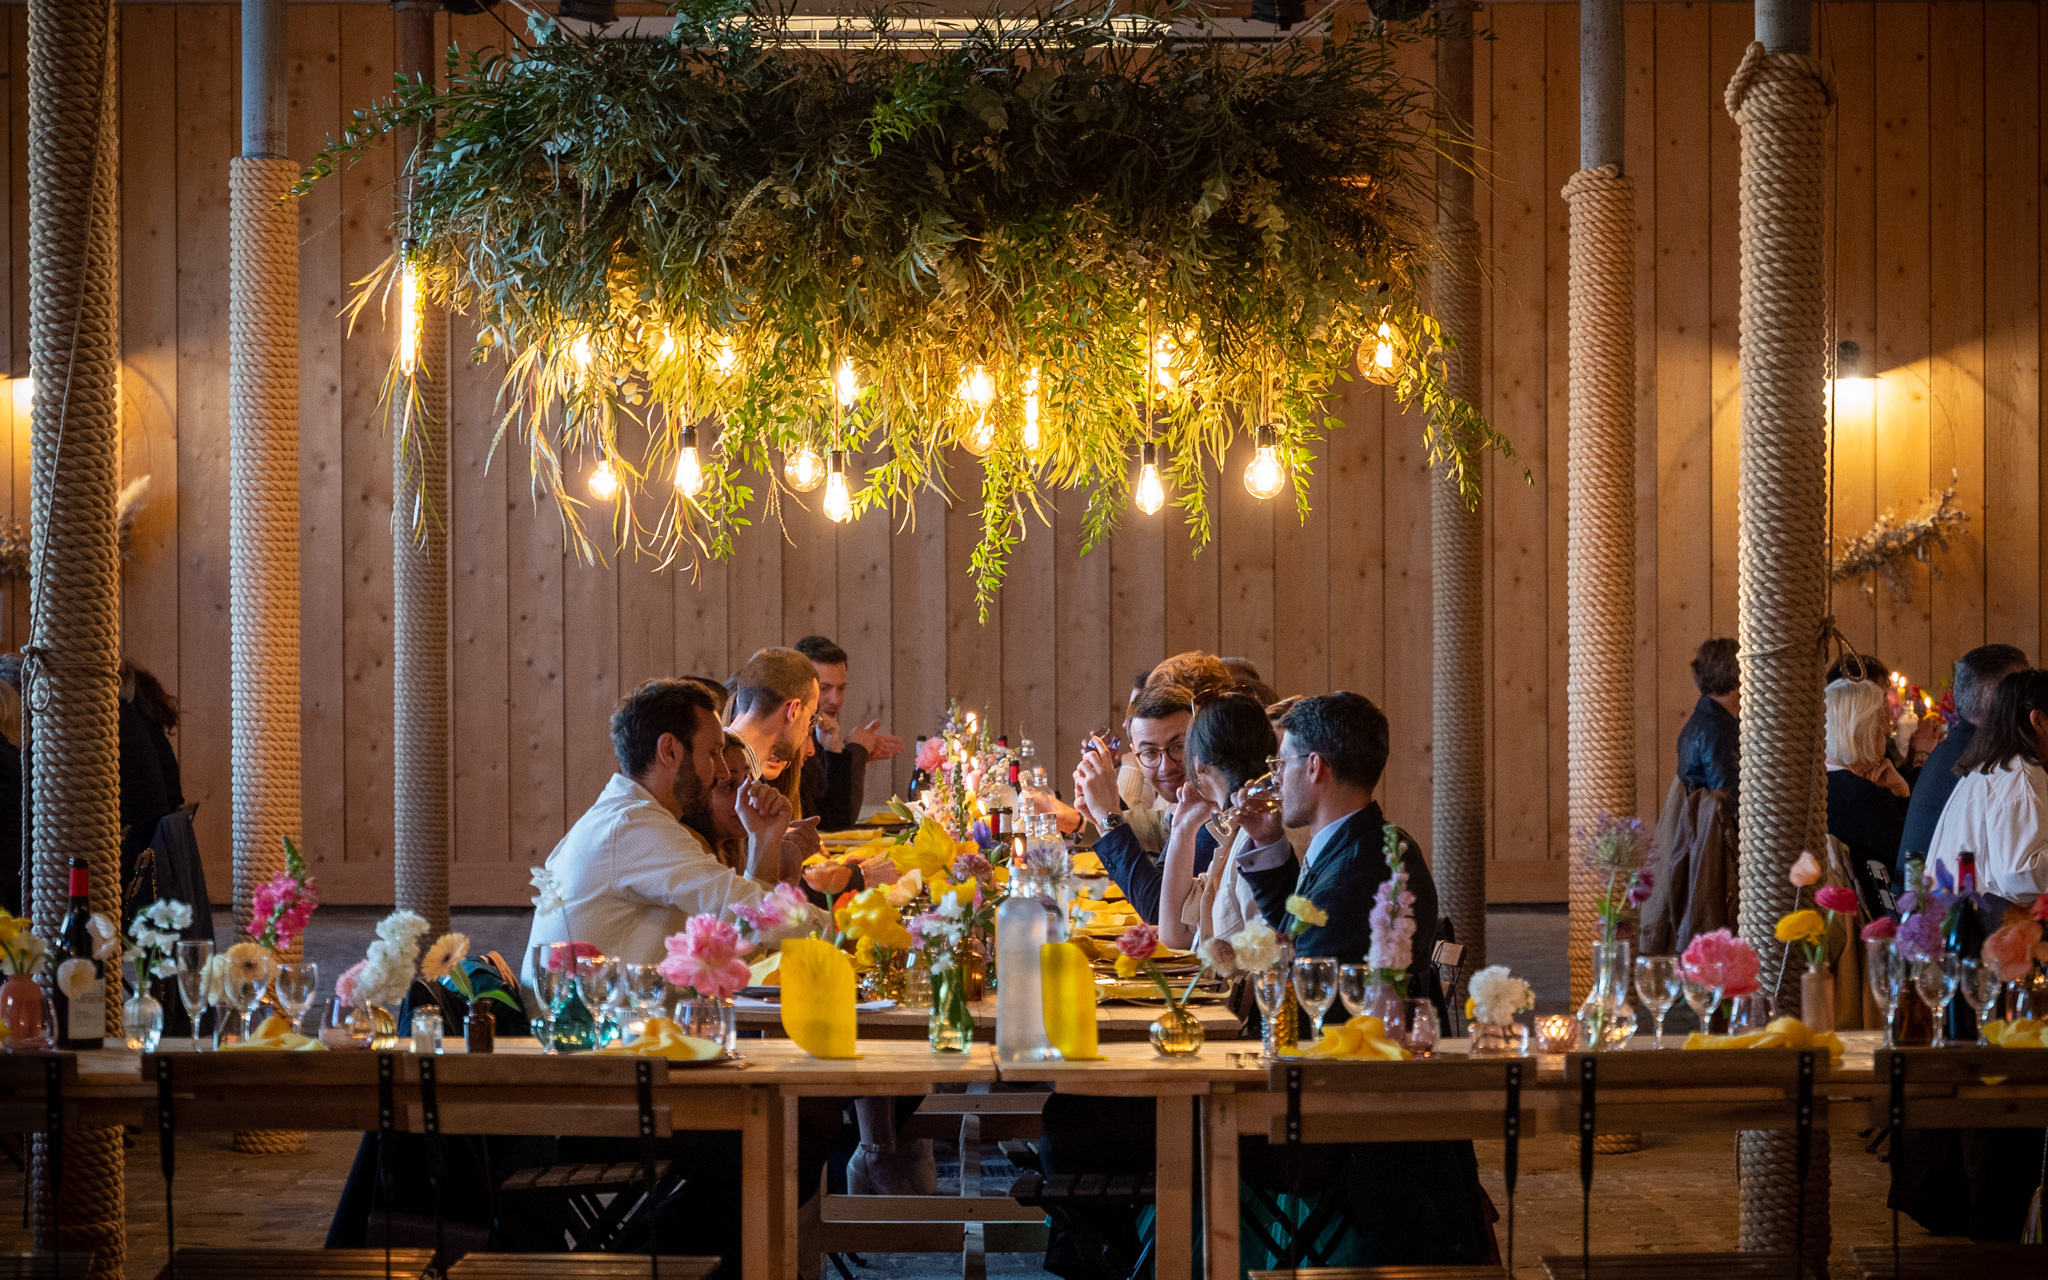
1303, 915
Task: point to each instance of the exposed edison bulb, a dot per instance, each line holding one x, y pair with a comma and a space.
1150, 492
1031, 436
409, 317
838, 501
981, 438
689, 467
977, 388
802, 468
604, 482
1383, 348
726, 359
668, 343
1265, 475
846, 383
579, 350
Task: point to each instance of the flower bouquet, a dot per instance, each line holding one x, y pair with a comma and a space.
1616, 848
1724, 964
1176, 1032
707, 962
1807, 928
153, 939
940, 937
1494, 998
365, 994
22, 956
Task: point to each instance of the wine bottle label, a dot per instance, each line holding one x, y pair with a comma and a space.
87, 1017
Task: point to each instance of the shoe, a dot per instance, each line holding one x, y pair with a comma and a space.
908, 1170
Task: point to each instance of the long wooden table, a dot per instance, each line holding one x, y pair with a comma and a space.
1114, 1022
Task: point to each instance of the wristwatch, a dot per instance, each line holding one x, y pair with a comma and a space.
1111, 822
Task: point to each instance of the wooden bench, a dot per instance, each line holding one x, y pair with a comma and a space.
578, 1266
1384, 1273
1954, 1089
1671, 1266
43, 1266
298, 1264
1945, 1261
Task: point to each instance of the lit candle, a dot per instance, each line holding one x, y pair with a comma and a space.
1557, 1033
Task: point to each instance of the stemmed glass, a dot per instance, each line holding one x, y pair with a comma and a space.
641, 989
1660, 984
192, 961
1257, 796
1885, 971
295, 985
1702, 1000
1315, 986
244, 992
539, 999
1354, 987
1269, 988
1935, 982
1980, 986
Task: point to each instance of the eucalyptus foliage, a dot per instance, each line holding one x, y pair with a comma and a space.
700, 229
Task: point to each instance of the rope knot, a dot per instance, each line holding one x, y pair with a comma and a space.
1783, 83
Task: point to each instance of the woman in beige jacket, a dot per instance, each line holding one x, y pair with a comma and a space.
1228, 744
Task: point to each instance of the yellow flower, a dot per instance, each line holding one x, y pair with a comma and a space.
1306, 911
930, 851
869, 915
1802, 926
248, 962
449, 950
1127, 967
864, 954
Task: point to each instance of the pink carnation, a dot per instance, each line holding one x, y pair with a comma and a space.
705, 957
1835, 897
1139, 942
280, 910
783, 907
2010, 950
931, 753
1882, 929
1720, 959
345, 985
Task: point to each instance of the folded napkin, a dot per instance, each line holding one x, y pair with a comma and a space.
1067, 993
277, 1034
817, 998
1362, 1037
664, 1039
1782, 1033
2025, 1033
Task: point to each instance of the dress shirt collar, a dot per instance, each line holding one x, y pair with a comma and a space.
1323, 837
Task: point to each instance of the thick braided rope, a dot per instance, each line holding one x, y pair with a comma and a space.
74, 584
1600, 575
1781, 102
419, 668
263, 539
1767, 1190
1458, 613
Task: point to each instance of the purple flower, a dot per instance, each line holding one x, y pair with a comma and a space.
1639, 891
1908, 902
1919, 936
1943, 881
969, 866
982, 834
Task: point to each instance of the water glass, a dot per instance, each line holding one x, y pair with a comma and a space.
347, 1026
1980, 986
1423, 1030
295, 985
1702, 1000
1660, 983
709, 1020
1354, 987
192, 960
1935, 982
1750, 1013
426, 1030
1885, 970
1315, 987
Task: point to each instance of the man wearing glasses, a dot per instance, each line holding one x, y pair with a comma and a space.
1158, 724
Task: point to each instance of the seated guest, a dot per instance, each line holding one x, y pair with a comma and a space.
773, 699
1866, 795
1976, 682
1129, 852
1999, 809
1927, 734
835, 776
629, 871
1708, 745
721, 822
1228, 744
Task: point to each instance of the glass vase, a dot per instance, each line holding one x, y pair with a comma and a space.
709, 1019
384, 1028
1817, 998
1499, 1040
27, 1014
142, 1023
574, 1029
1606, 1015
951, 1028
1176, 1033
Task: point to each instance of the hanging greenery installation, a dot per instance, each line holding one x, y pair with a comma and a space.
1064, 241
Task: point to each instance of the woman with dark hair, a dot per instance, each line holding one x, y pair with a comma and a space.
1228, 743
151, 786
1999, 809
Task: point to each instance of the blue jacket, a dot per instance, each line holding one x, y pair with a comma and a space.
1343, 881
1709, 750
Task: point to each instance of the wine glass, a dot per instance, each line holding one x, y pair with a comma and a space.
1260, 795
1935, 982
192, 960
295, 985
1702, 999
1660, 984
641, 989
244, 988
1269, 988
1885, 971
1979, 983
1315, 986
1423, 1030
1354, 987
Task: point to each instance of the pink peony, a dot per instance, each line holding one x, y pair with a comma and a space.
345, 985
1882, 929
931, 753
781, 908
580, 950
1720, 959
1835, 897
705, 957
1139, 942
1804, 872
2010, 951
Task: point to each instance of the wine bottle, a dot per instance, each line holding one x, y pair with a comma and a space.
80, 990
918, 779
1966, 939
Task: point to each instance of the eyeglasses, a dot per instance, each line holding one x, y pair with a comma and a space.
1150, 757
1274, 763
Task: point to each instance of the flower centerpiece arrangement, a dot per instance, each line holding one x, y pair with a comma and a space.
1615, 850
1808, 928
2017, 954
153, 939
1494, 997
1175, 1032
1392, 947
1725, 965
940, 937
443, 963
22, 956
369, 990
1263, 956
707, 963
280, 910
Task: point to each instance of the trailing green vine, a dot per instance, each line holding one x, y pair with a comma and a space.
1139, 238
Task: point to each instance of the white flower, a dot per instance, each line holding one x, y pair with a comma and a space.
547, 894
1257, 947
402, 928
1497, 995
106, 936
167, 915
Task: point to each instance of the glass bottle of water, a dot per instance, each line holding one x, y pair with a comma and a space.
1024, 923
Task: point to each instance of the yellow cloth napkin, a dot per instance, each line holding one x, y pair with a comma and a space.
2026, 1033
817, 998
1362, 1037
1067, 991
276, 1034
1783, 1033
662, 1038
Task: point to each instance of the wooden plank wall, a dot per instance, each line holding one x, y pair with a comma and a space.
1936, 255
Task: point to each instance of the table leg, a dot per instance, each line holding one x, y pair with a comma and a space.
1219, 1186
760, 1188
1173, 1224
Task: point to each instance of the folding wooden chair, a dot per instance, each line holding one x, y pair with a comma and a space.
1950, 1259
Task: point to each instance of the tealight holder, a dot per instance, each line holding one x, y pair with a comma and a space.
1557, 1033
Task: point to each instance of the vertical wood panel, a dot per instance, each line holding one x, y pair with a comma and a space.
1244, 565
1192, 584
918, 587
1087, 679
974, 648
1137, 595
1349, 506
754, 593
810, 567
1731, 28
1641, 165
535, 564
1030, 640
1561, 130
2012, 326
479, 627
1305, 579
590, 684
1853, 453
865, 601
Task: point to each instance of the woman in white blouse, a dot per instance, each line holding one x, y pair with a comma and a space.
1999, 809
1228, 743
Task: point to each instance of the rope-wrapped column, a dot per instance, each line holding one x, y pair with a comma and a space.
74, 651
419, 537
1600, 575
1781, 101
1457, 578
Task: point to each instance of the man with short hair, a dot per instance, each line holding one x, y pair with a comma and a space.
629, 872
774, 697
1708, 745
835, 774
1976, 683
1131, 841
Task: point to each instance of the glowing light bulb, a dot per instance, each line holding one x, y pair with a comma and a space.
838, 502
689, 468
1031, 438
977, 388
981, 439
1150, 492
803, 469
846, 384
409, 318
1383, 348
1265, 476
579, 350
604, 482
1165, 356
668, 344
726, 359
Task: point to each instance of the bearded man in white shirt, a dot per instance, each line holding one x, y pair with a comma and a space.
629, 872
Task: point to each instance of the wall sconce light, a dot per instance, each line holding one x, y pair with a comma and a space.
1851, 390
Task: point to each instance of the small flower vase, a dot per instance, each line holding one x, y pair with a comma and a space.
21, 1008
1817, 998
951, 1028
479, 1030
1176, 1033
142, 1023
1498, 1040
1607, 1017
1279, 1032
1384, 1001
709, 1019
575, 1030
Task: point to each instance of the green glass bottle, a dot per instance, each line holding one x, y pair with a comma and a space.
575, 1031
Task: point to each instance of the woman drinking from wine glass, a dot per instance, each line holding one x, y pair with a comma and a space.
1228, 743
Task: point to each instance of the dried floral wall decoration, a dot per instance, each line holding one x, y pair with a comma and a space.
1892, 545
1051, 241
